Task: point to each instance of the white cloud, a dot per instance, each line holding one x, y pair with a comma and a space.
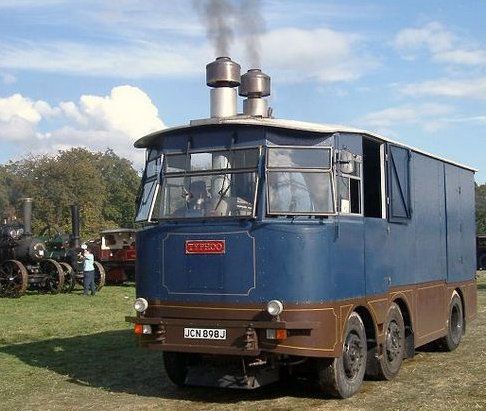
430, 117
432, 36
96, 122
125, 60
321, 54
443, 45
464, 88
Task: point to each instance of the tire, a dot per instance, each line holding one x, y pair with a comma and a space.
100, 276
455, 324
343, 377
391, 359
482, 262
69, 280
176, 366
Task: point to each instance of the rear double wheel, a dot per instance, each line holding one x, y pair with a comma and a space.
342, 377
455, 324
389, 362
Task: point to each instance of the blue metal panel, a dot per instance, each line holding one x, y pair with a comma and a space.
378, 263
347, 258
312, 260
224, 274
460, 225
428, 219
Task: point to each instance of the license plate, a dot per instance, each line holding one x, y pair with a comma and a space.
205, 333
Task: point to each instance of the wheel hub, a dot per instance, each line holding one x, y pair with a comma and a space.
393, 341
352, 356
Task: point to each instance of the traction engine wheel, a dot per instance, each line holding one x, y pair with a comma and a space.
13, 279
455, 324
100, 276
55, 275
343, 377
69, 280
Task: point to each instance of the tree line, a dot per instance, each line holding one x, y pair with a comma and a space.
103, 184
481, 208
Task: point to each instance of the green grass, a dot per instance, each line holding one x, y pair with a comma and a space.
75, 352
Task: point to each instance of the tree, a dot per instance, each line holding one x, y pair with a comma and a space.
481, 208
103, 184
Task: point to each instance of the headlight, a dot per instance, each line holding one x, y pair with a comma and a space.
140, 305
274, 307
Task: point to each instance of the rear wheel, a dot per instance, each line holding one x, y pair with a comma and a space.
100, 276
343, 377
455, 324
394, 348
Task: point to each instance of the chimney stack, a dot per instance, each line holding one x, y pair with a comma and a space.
254, 86
223, 75
75, 238
27, 216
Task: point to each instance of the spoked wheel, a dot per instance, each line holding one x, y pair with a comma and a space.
13, 279
100, 276
343, 377
455, 328
389, 363
54, 275
69, 280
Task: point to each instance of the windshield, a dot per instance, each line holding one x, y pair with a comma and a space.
299, 181
208, 184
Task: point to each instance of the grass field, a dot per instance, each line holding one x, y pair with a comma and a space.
75, 352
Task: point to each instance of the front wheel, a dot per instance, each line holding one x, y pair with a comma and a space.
343, 377
176, 366
455, 324
69, 279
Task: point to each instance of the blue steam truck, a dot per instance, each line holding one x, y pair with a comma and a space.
274, 247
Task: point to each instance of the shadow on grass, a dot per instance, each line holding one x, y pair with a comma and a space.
112, 361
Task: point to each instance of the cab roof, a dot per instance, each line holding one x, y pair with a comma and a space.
242, 120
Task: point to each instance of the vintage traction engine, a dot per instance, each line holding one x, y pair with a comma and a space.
65, 249
23, 260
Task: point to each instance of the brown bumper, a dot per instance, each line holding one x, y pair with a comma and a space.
243, 337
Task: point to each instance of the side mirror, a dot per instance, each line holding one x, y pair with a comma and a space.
346, 162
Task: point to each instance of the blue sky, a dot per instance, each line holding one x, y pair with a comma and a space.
102, 74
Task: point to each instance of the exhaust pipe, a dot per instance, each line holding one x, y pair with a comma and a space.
254, 86
75, 238
27, 216
223, 75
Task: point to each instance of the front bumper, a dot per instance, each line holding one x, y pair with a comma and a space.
243, 337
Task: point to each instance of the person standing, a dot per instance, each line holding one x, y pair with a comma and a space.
88, 270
